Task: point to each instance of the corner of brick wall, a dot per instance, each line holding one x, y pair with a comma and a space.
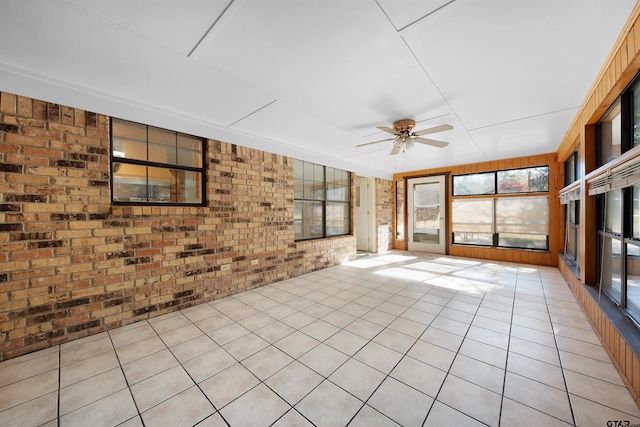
73, 265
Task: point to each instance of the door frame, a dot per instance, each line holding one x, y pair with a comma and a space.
445, 236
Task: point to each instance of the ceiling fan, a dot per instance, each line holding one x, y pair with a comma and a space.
404, 137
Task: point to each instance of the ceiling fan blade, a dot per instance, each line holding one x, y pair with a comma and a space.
433, 142
435, 129
397, 145
409, 143
388, 129
375, 142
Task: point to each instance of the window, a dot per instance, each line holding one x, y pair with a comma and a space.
507, 219
155, 166
400, 210
322, 201
570, 198
619, 203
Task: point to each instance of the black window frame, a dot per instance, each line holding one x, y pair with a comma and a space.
494, 196
146, 163
325, 200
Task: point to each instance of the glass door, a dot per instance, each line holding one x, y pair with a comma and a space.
426, 214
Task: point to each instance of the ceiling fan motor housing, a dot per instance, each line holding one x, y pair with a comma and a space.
404, 126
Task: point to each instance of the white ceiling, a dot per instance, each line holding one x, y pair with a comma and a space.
312, 79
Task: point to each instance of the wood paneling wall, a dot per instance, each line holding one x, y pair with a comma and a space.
549, 258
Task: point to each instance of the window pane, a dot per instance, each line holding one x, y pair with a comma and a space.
523, 180
307, 219
189, 151
465, 238
474, 184
527, 215
129, 140
636, 116
633, 280
298, 170
129, 183
636, 212
161, 185
188, 187
473, 216
611, 265
610, 136
162, 146
613, 211
337, 219
522, 240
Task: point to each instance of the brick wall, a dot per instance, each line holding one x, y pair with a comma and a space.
72, 265
384, 217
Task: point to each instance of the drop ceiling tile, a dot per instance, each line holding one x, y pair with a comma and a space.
176, 25
503, 60
405, 12
536, 135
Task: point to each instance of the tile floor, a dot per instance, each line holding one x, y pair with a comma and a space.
384, 340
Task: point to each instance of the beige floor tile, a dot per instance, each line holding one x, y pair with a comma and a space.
320, 330
298, 320
258, 407
357, 378
194, 347
364, 328
401, 403
449, 325
140, 349
478, 373
149, 366
228, 333
184, 409
214, 420
536, 370
89, 349
367, 417
443, 415
442, 338
90, 390
457, 315
29, 367
256, 321
228, 385
594, 351
267, 362
275, 332
208, 364
35, 412
378, 356
164, 324
534, 335
544, 398
323, 359
474, 401
421, 376
591, 367
292, 419
488, 337
109, 411
590, 413
293, 382
280, 311
433, 355
296, 344
408, 327
131, 335
160, 387
517, 414
395, 340
328, 405
534, 350
603, 392
245, 346
210, 324
379, 317
87, 368
181, 334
